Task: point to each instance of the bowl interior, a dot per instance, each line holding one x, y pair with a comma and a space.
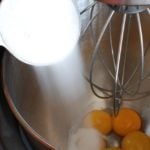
52, 100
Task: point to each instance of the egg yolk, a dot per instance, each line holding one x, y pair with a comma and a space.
100, 120
136, 140
126, 121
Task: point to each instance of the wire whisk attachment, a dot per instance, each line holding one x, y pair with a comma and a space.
125, 60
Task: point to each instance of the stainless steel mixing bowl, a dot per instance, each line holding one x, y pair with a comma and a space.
50, 103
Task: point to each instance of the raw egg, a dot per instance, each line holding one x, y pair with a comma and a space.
136, 140
127, 120
100, 120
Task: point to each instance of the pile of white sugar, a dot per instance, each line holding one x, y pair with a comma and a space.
87, 139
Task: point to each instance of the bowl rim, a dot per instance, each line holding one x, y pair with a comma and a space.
16, 113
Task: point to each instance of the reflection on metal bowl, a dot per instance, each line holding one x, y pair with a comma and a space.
49, 102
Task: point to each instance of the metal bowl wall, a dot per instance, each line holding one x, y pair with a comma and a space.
47, 110
47, 114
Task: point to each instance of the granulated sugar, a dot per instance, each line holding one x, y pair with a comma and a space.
87, 139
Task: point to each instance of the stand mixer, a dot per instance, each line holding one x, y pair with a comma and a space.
130, 11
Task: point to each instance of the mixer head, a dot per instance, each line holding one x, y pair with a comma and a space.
127, 6
126, 2
122, 88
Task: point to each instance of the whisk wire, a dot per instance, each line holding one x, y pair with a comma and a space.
88, 7
94, 55
141, 64
117, 92
148, 10
91, 29
126, 49
141, 44
89, 23
111, 45
134, 72
121, 81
